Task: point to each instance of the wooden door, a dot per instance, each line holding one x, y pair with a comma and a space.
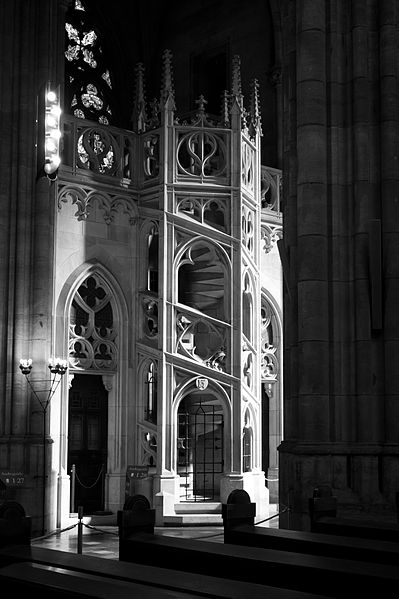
87, 441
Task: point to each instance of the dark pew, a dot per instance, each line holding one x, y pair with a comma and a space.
16, 559
28, 577
239, 529
329, 545
294, 570
326, 576
15, 526
348, 527
324, 518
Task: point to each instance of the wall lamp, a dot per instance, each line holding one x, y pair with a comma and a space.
44, 393
52, 130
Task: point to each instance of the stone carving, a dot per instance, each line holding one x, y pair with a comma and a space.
248, 228
211, 212
247, 166
151, 156
91, 331
201, 340
201, 153
150, 307
110, 204
269, 235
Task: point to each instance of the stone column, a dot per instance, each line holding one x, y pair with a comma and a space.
389, 103
339, 170
28, 60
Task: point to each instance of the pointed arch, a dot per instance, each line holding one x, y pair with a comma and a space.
149, 242
203, 268
247, 441
248, 306
272, 389
148, 389
189, 386
115, 382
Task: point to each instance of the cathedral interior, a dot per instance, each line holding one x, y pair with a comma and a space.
199, 274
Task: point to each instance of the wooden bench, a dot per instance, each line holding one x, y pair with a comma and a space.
354, 528
366, 542
329, 545
327, 576
28, 577
15, 526
325, 518
15, 560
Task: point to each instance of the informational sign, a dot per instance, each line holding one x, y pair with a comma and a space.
137, 472
134, 473
13, 479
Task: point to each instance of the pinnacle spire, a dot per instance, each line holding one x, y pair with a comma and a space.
139, 116
225, 118
167, 88
254, 109
236, 91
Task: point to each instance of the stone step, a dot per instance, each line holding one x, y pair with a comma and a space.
197, 507
214, 519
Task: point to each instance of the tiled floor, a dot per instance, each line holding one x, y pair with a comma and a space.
101, 539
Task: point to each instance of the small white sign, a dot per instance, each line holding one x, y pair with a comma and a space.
201, 383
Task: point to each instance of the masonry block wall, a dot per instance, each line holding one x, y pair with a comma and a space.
341, 236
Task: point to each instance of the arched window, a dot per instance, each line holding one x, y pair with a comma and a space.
202, 281
88, 89
247, 444
92, 331
269, 343
151, 393
247, 310
152, 267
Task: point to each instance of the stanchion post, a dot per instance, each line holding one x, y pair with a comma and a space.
102, 486
73, 482
80, 528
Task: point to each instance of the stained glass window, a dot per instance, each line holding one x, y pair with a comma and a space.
89, 89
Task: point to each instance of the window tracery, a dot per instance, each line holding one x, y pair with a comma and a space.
89, 86
269, 344
91, 327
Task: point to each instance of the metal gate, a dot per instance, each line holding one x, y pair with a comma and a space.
200, 453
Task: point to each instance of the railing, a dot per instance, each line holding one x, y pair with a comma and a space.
123, 158
271, 189
101, 152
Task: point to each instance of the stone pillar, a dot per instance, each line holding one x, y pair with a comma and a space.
28, 60
389, 103
340, 184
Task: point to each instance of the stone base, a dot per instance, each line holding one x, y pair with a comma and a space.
254, 484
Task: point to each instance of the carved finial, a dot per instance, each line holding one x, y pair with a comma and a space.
139, 116
225, 109
236, 84
167, 88
153, 121
254, 110
201, 105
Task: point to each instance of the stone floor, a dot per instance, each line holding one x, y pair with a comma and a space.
99, 535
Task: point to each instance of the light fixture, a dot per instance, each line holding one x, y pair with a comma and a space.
25, 365
44, 392
52, 130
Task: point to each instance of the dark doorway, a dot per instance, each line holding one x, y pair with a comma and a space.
87, 442
200, 448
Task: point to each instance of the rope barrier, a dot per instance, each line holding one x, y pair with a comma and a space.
286, 509
100, 530
95, 482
